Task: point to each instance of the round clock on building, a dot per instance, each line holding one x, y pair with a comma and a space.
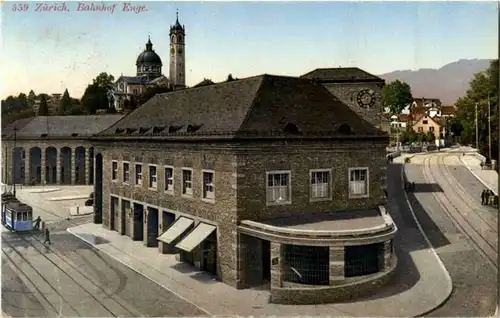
366, 98
172, 51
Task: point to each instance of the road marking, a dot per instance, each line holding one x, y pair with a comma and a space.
135, 270
433, 251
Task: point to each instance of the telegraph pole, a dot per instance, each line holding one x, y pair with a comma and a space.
477, 132
489, 127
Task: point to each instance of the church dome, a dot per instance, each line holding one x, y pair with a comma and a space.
149, 56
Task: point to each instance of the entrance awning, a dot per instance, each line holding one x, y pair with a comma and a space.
175, 230
198, 235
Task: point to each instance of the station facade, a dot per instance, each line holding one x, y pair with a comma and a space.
264, 181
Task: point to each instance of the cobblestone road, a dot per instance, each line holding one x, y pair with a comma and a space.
474, 279
70, 278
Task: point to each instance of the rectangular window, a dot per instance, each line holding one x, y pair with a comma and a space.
126, 172
138, 174
431, 129
152, 177
278, 187
320, 184
114, 170
420, 129
169, 179
187, 182
358, 182
424, 122
208, 185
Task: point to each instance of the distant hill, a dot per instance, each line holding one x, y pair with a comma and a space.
447, 83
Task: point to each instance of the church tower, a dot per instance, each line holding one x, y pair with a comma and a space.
177, 55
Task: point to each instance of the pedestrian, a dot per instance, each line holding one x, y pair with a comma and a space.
47, 237
37, 223
487, 197
392, 159
483, 197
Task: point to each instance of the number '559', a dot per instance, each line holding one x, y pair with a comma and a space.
20, 7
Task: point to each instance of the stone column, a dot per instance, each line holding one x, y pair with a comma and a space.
276, 265
121, 215
27, 167
145, 212
73, 163
42, 166
388, 250
87, 166
58, 166
337, 264
161, 248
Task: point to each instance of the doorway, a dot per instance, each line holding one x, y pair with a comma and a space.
266, 261
152, 228
97, 189
126, 217
112, 211
138, 222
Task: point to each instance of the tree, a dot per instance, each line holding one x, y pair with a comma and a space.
64, 103
43, 110
95, 96
149, 93
31, 98
104, 80
429, 136
420, 137
483, 85
230, 78
396, 95
22, 102
412, 137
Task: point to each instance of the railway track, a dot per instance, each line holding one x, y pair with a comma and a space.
461, 215
58, 261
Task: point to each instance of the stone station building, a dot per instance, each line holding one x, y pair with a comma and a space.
264, 181
51, 149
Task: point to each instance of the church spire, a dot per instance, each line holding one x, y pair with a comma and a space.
149, 45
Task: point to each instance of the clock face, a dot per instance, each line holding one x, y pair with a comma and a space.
172, 51
366, 98
179, 51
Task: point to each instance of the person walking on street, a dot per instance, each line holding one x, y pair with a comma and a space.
37, 223
487, 197
47, 237
483, 197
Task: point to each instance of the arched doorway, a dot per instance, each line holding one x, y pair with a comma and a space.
80, 165
18, 166
66, 165
35, 176
91, 165
98, 200
51, 165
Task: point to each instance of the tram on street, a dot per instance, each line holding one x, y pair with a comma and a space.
16, 216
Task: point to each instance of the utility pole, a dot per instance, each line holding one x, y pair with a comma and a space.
489, 127
477, 132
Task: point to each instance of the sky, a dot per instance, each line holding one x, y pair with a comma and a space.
53, 51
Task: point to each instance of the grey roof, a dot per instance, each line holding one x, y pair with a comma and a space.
18, 124
256, 106
130, 79
63, 126
341, 74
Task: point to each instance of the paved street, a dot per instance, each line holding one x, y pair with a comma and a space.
447, 203
71, 278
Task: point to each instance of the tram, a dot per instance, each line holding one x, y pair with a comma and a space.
16, 216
